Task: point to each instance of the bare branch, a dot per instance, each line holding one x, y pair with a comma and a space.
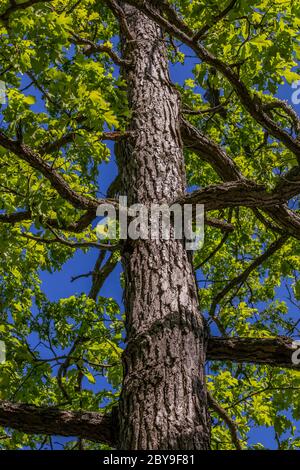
220, 224
30, 419
214, 405
101, 273
210, 152
240, 193
276, 352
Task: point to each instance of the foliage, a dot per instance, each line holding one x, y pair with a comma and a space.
67, 353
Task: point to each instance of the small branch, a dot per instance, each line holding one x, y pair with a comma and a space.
101, 273
275, 104
118, 12
241, 278
81, 276
93, 48
30, 156
20, 6
212, 254
203, 31
66, 139
214, 405
220, 224
214, 109
74, 245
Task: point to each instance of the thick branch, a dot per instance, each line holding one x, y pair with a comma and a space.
14, 6
240, 193
15, 217
52, 421
285, 218
275, 352
228, 171
210, 152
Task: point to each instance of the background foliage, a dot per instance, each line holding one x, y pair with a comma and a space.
67, 353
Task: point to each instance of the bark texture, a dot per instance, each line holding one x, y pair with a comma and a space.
276, 352
164, 400
51, 421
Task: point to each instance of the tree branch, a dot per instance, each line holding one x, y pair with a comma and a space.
228, 171
214, 405
30, 419
276, 352
70, 244
210, 152
57, 181
202, 32
220, 224
93, 48
249, 99
241, 278
20, 6
240, 193
101, 273
118, 12
97, 427
50, 147
15, 217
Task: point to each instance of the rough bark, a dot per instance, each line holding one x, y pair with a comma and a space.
164, 400
276, 352
51, 421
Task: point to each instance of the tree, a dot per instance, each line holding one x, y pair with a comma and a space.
82, 73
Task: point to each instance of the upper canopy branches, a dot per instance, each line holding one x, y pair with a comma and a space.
244, 192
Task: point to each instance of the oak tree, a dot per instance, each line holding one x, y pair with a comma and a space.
200, 351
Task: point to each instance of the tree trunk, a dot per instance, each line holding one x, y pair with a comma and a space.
163, 403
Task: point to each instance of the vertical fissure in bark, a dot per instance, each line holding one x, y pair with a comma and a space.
163, 404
